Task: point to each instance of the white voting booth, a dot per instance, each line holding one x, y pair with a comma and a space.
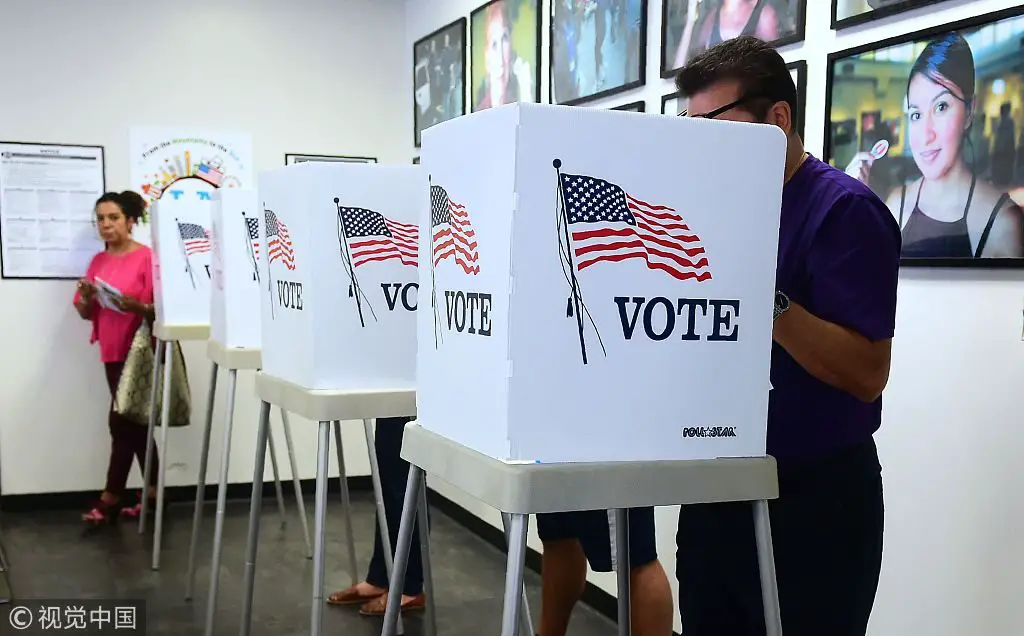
338, 295
234, 345
600, 331
182, 248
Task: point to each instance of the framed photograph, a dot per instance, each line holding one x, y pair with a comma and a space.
847, 13
504, 65
439, 77
673, 104
633, 107
684, 36
931, 122
597, 49
291, 159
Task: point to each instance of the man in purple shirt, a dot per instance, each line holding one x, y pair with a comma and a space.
835, 309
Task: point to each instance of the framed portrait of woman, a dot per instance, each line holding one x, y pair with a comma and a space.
954, 178
847, 13
597, 49
690, 27
504, 38
439, 77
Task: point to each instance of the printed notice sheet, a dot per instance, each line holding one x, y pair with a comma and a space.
47, 194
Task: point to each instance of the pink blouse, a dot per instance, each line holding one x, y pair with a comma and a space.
132, 274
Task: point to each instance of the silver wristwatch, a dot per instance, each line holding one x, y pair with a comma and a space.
781, 305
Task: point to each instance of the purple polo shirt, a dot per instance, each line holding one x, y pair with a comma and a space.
839, 254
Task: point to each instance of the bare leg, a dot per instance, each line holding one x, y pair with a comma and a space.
563, 579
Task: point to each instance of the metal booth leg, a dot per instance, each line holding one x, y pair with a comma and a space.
526, 619
766, 564
197, 510
158, 357
299, 503
375, 475
278, 490
222, 498
622, 569
514, 569
255, 509
320, 528
392, 616
428, 575
346, 503
165, 420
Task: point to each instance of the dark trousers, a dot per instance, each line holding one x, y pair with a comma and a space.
127, 442
827, 529
394, 473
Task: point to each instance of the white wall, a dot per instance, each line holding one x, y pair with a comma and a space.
950, 443
306, 76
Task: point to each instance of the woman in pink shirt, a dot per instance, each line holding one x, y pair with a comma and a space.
128, 266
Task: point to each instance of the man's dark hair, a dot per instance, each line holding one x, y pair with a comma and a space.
754, 64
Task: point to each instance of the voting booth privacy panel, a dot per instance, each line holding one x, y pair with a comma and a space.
595, 285
183, 267
235, 292
339, 284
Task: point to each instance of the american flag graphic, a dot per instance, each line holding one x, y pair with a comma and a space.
253, 225
208, 173
279, 243
610, 225
374, 237
453, 235
195, 237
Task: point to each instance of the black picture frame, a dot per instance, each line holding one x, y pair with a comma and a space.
665, 99
103, 159
292, 158
459, 28
800, 66
632, 107
798, 35
838, 57
538, 75
615, 90
876, 14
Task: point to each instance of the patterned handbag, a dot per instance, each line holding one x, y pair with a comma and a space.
134, 389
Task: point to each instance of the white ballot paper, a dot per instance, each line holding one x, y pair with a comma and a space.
106, 294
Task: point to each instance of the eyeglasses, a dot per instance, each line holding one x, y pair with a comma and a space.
722, 109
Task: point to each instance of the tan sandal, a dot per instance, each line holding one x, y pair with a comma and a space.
352, 596
378, 606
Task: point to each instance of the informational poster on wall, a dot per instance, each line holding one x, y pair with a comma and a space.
47, 194
186, 163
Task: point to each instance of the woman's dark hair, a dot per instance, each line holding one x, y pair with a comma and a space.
947, 60
950, 61
132, 205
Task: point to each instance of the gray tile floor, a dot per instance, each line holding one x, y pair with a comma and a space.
53, 557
